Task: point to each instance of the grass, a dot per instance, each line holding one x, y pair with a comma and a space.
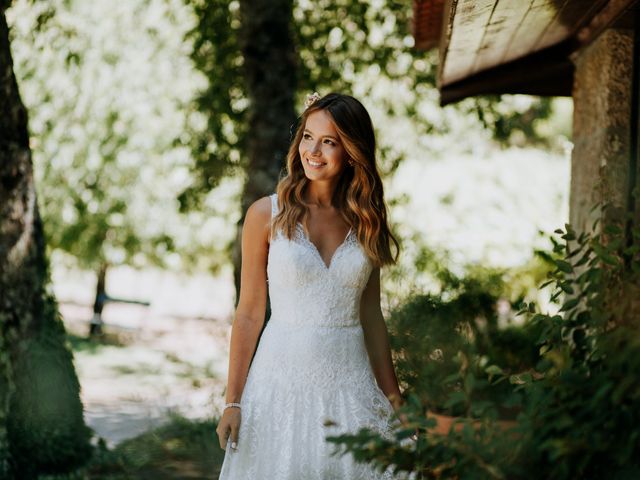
78, 343
181, 449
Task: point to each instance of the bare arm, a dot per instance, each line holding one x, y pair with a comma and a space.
376, 339
249, 317
250, 312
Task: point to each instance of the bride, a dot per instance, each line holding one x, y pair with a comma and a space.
323, 365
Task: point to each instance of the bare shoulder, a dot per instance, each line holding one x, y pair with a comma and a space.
258, 216
260, 208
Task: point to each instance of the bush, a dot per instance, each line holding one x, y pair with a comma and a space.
575, 390
443, 343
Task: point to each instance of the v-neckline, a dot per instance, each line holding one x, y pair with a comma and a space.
315, 248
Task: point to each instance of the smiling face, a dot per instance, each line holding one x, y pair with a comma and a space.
321, 152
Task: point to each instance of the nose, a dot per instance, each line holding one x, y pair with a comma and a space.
315, 148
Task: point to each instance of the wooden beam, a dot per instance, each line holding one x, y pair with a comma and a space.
485, 34
547, 73
611, 13
466, 20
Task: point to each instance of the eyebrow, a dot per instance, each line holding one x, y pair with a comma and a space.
326, 136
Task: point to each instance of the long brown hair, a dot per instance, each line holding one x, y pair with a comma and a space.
359, 195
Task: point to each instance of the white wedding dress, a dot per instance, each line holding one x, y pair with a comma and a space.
310, 366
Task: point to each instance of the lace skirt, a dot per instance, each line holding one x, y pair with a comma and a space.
306, 383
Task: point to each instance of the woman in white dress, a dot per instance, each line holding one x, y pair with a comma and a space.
323, 365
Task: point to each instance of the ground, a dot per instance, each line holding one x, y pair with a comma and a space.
153, 367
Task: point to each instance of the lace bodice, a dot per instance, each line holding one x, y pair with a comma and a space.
304, 290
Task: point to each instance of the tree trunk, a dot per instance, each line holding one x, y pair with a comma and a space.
95, 327
41, 425
270, 76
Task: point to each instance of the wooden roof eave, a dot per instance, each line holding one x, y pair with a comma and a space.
548, 72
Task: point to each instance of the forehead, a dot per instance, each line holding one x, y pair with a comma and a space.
320, 123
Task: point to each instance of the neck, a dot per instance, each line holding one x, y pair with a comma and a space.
320, 194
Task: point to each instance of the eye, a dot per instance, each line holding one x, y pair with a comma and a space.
306, 136
330, 142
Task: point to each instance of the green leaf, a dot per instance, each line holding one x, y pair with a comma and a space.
610, 259
564, 266
451, 378
456, 398
612, 229
494, 370
539, 317
469, 382
584, 259
569, 304
555, 296
566, 287
520, 379
632, 250
546, 284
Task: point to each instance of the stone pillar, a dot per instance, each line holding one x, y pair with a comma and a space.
601, 164
601, 127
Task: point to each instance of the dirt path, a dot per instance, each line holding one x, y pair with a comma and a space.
148, 365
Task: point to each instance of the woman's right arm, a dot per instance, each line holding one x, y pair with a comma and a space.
250, 312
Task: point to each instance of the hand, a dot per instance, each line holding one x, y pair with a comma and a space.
405, 423
229, 426
397, 402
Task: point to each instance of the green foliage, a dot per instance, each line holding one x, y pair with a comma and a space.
444, 348
583, 414
447, 347
216, 53
354, 46
576, 399
444, 341
107, 87
513, 124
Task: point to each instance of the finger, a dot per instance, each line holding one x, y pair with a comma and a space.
223, 434
234, 436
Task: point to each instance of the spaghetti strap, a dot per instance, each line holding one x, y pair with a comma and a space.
274, 211
274, 204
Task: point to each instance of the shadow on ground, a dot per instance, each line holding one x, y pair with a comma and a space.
180, 449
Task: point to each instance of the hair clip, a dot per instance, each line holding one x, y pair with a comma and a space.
311, 99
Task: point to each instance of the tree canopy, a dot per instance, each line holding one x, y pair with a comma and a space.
108, 85
359, 47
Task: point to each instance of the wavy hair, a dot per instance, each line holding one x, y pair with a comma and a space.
359, 194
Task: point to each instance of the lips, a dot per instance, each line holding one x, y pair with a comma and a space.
314, 164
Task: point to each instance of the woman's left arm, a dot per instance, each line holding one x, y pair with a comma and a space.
376, 338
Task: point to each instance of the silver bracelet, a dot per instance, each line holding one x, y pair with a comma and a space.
232, 404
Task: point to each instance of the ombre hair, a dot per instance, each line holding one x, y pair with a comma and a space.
359, 193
